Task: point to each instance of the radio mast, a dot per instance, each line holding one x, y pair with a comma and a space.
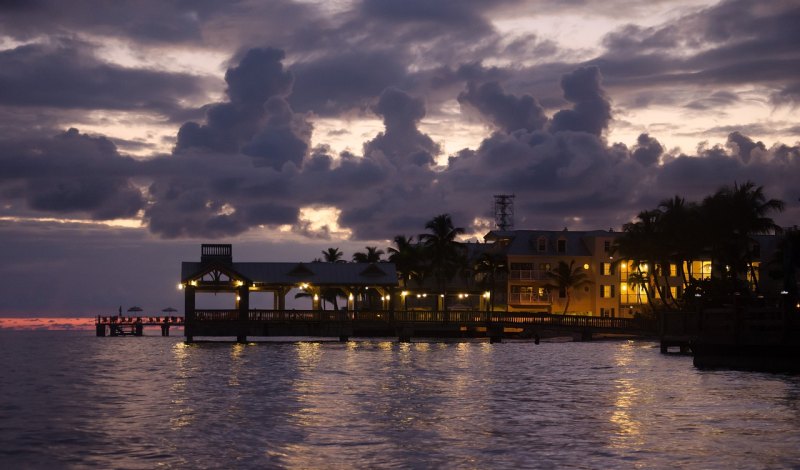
504, 211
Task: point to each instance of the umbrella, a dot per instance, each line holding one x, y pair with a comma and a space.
170, 309
135, 309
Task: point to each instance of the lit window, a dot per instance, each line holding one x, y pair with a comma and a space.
673, 270
605, 269
606, 292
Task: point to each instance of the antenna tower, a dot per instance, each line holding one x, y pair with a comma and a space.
504, 211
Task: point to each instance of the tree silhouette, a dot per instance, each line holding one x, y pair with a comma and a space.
332, 255
566, 277
407, 258
332, 294
444, 255
372, 255
733, 216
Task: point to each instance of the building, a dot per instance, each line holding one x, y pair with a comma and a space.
531, 254
617, 287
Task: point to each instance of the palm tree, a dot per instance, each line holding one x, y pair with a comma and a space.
332, 255
566, 277
442, 252
487, 267
734, 216
684, 235
372, 255
407, 258
332, 294
643, 242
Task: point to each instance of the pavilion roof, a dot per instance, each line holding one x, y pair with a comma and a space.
316, 273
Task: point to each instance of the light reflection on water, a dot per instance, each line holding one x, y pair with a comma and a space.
70, 399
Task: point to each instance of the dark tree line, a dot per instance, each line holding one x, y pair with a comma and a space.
721, 228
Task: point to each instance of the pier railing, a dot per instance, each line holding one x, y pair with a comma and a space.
463, 317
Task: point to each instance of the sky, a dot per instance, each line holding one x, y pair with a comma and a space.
133, 131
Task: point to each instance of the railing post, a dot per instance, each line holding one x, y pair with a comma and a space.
188, 312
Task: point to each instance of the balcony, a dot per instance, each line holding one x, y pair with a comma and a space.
527, 275
529, 299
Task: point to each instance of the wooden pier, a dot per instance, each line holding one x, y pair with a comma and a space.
751, 338
406, 325
117, 325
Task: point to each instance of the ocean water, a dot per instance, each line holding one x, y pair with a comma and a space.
71, 400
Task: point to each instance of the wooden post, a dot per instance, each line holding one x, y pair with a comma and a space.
405, 335
188, 312
243, 295
495, 333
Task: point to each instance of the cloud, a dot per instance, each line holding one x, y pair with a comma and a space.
347, 80
402, 143
71, 173
257, 120
647, 150
591, 111
66, 74
505, 111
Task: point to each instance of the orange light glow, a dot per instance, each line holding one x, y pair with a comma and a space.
53, 323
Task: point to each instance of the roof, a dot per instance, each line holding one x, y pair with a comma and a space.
525, 242
316, 273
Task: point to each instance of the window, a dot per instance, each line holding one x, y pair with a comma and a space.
606, 292
544, 267
756, 250
562, 246
605, 269
607, 246
673, 270
562, 293
541, 244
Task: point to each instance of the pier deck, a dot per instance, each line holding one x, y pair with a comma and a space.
407, 324
116, 325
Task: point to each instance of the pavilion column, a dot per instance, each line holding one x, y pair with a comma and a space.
282, 298
243, 301
188, 309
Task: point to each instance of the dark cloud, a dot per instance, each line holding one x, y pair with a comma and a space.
71, 174
743, 146
401, 143
167, 21
66, 74
339, 82
591, 111
505, 111
733, 42
257, 120
284, 137
647, 150
249, 163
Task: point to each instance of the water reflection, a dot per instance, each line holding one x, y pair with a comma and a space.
376, 404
